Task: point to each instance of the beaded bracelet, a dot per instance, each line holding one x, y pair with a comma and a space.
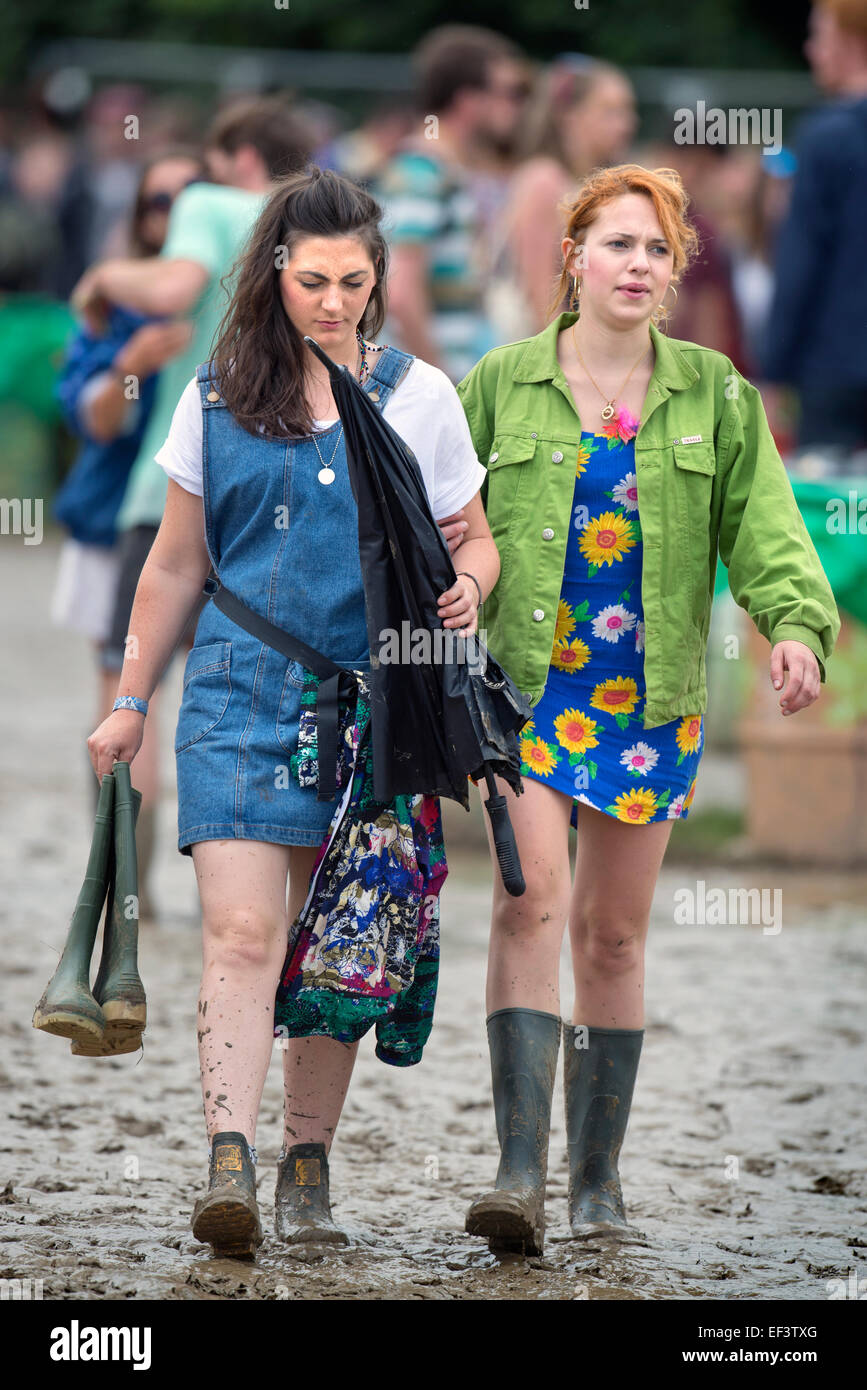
130, 702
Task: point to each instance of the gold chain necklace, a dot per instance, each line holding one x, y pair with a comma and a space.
608, 409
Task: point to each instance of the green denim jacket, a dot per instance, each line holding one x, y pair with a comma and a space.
709, 480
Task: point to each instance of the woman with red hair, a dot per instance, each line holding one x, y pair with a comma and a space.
620, 463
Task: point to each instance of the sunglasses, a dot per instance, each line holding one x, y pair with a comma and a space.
162, 201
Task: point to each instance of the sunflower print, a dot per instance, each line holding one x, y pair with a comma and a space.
587, 737
606, 538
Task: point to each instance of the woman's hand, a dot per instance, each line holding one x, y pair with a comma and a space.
88, 300
804, 681
453, 528
458, 606
118, 739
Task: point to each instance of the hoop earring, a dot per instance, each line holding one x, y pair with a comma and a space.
661, 313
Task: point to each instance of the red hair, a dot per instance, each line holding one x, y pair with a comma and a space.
663, 187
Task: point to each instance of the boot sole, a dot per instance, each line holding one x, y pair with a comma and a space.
230, 1226
506, 1224
124, 1017
66, 1023
590, 1230
124, 1026
312, 1235
111, 1045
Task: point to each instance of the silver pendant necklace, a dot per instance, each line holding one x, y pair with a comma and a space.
326, 473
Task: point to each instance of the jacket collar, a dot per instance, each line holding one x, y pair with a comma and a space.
538, 362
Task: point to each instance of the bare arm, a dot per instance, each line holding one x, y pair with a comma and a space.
168, 590
147, 350
156, 285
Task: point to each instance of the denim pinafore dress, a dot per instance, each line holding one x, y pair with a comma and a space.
287, 545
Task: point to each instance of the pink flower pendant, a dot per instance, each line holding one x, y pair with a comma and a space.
623, 427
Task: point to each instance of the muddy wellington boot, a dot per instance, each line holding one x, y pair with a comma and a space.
68, 1007
524, 1044
302, 1208
118, 988
598, 1081
227, 1217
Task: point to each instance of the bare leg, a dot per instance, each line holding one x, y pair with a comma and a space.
242, 886
527, 932
523, 1023
616, 874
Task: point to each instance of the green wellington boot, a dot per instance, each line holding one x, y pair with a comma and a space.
227, 1217
118, 987
68, 1007
524, 1044
598, 1081
302, 1208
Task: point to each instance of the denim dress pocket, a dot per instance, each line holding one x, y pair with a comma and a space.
289, 708
207, 687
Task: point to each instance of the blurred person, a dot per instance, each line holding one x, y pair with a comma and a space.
466, 91
619, 464
751, 234
110, 419
582, 116
816, 338
251, 143
256, 430
362, 153
705, 310
98, 192
34, 330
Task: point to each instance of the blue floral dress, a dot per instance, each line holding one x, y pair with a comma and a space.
586, 736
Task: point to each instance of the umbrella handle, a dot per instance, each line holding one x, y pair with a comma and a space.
504, 839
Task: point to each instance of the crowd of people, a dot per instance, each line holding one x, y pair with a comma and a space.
139, 219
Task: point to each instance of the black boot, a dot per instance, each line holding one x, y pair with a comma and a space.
302, 1210
227, 1217
598, 1081
523, 1045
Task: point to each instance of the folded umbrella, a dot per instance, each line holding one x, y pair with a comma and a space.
442, 709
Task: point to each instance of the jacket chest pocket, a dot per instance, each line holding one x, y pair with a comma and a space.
693, 480
207, 687
503, 486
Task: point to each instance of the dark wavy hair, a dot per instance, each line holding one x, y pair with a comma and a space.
258, 356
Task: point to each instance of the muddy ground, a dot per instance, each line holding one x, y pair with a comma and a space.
744, 1161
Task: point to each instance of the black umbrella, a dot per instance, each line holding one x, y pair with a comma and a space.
442, 708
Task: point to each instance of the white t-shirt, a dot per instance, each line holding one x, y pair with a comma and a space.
425, 410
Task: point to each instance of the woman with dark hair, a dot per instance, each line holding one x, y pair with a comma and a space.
259, 487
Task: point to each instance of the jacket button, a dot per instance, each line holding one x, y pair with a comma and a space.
494, 456
538, 614
547, 534
374, 395
213, 395
556, 457
534, 435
